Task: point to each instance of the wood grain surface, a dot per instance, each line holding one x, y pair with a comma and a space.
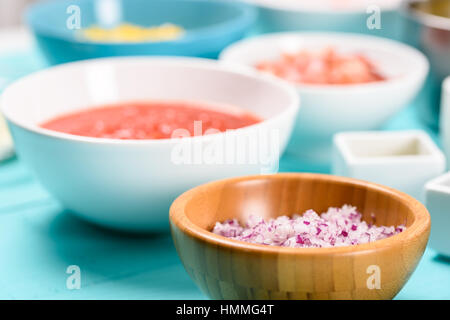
229, 269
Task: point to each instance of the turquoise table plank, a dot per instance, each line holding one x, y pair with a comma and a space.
39, 240
38, 243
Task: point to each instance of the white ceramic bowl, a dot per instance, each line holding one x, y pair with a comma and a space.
329, 15
328, 109
129, 184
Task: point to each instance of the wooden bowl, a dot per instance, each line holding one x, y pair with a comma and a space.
230, 269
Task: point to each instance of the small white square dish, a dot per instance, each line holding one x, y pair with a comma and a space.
404, 160
437, 200
6, 145
445, 117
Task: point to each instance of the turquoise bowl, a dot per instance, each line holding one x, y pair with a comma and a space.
210, 26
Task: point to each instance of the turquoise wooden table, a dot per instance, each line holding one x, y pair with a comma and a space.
38, 240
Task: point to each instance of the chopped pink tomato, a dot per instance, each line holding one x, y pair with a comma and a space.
322, 67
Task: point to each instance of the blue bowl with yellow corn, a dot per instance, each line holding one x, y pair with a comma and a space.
84, 29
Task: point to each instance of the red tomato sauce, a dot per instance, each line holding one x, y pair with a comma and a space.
150, 120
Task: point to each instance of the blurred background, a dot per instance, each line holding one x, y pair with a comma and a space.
11, 12
40, 240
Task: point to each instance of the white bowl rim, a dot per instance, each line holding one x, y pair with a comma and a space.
306, 7
181, 61
446, 84
420, 69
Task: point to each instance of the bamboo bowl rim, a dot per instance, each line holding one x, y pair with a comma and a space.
418, 228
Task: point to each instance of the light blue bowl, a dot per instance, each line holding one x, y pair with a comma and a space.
210, 26
283, 15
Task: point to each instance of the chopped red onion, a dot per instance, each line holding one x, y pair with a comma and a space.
337, 227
